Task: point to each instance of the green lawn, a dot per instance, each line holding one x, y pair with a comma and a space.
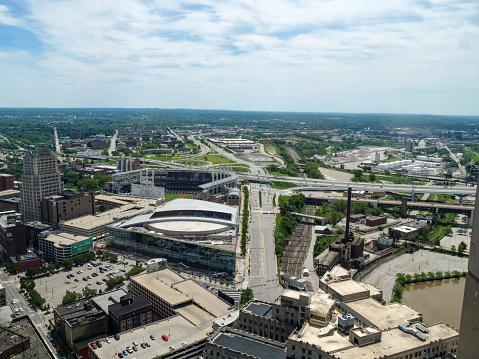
215, 159
170, 196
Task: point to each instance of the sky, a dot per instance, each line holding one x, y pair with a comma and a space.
381, 56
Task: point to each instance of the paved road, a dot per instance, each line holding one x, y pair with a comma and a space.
12, 287
113, 143
262, 269
315, 184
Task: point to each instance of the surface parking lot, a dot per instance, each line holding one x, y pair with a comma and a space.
54, 287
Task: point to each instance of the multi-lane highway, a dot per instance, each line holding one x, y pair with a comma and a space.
315, 184
262, 268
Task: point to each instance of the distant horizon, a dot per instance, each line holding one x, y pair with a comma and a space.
229, 110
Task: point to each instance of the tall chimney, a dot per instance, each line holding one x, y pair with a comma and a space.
348, 213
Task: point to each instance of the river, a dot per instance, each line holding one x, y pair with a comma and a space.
438, 301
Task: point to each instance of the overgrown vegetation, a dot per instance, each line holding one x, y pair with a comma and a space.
322, 242
285, 224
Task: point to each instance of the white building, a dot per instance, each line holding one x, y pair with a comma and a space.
58, 246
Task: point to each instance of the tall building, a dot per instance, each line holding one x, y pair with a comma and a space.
40, 179
469, 332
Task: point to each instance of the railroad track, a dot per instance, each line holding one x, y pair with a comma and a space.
295, 253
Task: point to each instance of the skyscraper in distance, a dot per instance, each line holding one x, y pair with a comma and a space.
40, 179
468, 347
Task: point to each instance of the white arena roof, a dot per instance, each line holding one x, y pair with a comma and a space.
187, 216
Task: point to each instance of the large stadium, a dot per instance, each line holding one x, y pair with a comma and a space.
190, 218
198, 233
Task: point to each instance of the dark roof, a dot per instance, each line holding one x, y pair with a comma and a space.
137, 303
249, 344
258, 308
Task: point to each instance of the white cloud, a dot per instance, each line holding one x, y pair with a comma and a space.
244, 54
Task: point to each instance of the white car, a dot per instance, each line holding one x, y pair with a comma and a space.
21, 309
108, 340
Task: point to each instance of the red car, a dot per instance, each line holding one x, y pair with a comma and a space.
164, 337
93, 345
135, 349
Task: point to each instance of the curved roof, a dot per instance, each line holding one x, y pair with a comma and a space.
187, 216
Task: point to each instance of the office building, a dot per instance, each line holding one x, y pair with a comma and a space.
12, 234
70, 204
6, 182
40, 179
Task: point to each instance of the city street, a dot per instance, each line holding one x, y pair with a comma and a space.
262, 268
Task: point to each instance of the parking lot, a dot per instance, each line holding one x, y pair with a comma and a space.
54, 287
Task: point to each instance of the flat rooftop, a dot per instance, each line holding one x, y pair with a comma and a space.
63, 238
203, 297
384, 316
347, 287
23, 326
107, 299
161, 288
249, 344
395, 341
177, 328
258, 308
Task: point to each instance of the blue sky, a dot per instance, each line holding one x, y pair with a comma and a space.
284, 55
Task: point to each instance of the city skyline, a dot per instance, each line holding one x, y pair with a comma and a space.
403, 57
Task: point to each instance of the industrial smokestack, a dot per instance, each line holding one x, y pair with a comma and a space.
348, 213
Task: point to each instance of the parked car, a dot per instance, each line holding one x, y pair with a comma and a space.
152, 337
116, 336
120, 355
98, 343
164, 337
93, 345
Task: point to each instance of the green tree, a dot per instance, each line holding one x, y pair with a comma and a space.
357, 174
70, 298
461, 248
31, 272
35, 299
89, 293
372, 177
398, 290
67, 264
245, 296
88, 184
453, 249
27, 284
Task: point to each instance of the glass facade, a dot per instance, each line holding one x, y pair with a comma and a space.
190, 253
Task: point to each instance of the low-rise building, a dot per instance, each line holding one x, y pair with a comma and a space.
231, 343
326, 229
376, 221
409, 229
79, 321
3, 297
131, 312
169, 293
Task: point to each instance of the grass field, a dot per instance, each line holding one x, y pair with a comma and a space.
215, 159
171, 196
